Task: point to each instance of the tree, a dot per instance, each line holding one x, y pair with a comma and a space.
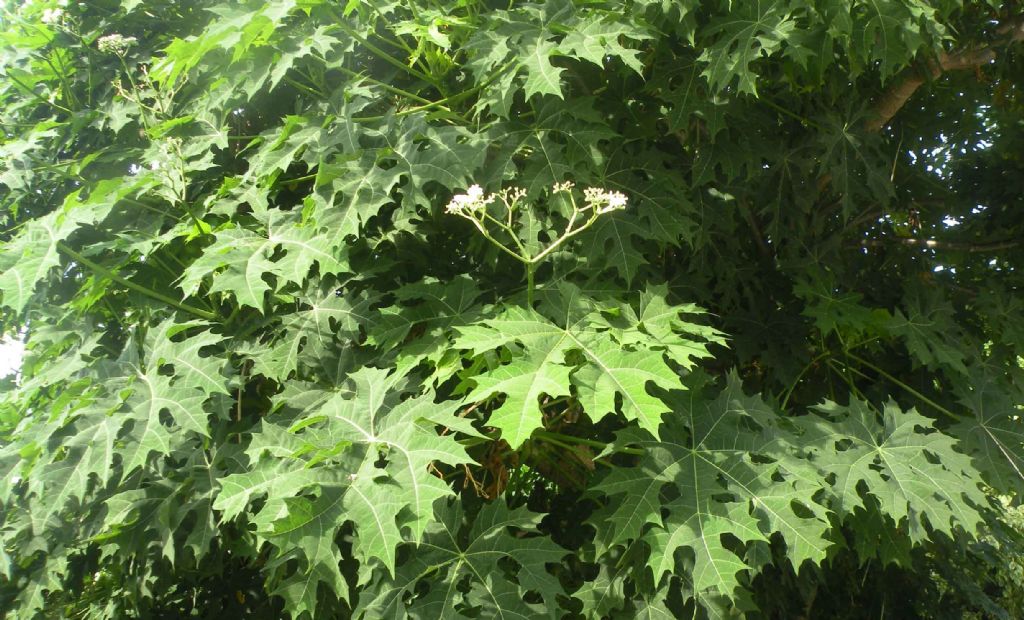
566, 309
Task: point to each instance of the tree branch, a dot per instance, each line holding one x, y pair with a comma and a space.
934, 244
871, 215
106, 273
897, 95
748, 215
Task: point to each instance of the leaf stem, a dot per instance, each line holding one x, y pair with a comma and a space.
29, 91
810, 364
103, 271
388, 87
479, 226
903, 385
388, 58
440, 103
529, 284
562, 438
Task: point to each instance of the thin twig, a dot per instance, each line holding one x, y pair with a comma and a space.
748, 215
103, 271
935, 244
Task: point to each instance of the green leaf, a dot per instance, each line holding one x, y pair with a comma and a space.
841, 313
89, 452
30, 256
911, 469
614, 240
735, 41
334, 445
594, 39
607, 370
452, 552
240, 260
153, 394
888, 32
208, 373
931, 333
326, 316
731, 474
612, 371
542, 77
992, 433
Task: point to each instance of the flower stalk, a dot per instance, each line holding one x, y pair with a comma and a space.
475, 206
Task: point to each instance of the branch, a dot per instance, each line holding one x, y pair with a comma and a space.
933, 244
971, 58
106, 273
748, 215
867, 216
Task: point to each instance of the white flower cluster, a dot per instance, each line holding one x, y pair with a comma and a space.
115, 44
52, 16
512, 195
473, 206
604, 201
473, 200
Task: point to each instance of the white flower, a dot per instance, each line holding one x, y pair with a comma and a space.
562, 187
616, 200
52, 16
472, 200
115, 44
512, 195
604, 201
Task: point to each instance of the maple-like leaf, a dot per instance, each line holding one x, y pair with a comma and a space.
542, 78
651, 321
326, 318
890, 32
240, 259
348, 194
452, 552
29, 257
615, 241
910, 468
689, 95
618, 359
148, 520
321, 468
754, 29
88, 456
595, 40
206, 372
839, 312
931, 333
426, 310
152, 395
730, 474
419, 154
992, 433
612, 371
540, 369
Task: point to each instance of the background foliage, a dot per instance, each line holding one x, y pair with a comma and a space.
268, 374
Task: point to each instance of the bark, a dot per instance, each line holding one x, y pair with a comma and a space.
935, 244
897, 95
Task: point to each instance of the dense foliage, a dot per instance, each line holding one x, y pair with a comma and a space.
563, 308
